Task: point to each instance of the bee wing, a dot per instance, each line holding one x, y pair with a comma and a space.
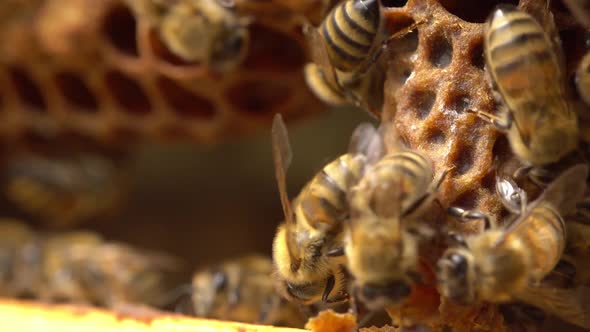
282, 156
319, 54
567, 189
563, 193
571, 305
367, 140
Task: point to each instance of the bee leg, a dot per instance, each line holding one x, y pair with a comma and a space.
442, 177
353, 306
338, 252
350, 95
430, 193
330, 282
468, 215
368, 316
265, 310
417, 203
538, 175
502, 122
366, 65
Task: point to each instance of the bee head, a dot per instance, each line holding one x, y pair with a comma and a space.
206, 287
303, 271
231, 48
455, 275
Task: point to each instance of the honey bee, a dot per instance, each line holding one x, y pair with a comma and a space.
13, 234
507, 263
345, 50
206, 31
369, 85
243, 290
580, 9
382, 244
58, 267
541, 127
79, 267
308, 248
65, 191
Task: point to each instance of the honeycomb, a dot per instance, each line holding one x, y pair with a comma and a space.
98, 69
435, 75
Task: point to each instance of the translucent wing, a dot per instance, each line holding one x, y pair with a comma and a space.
571, 305
367, 140
567, 189
563, 193
282, 156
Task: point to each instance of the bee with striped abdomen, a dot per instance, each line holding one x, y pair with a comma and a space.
521, 59
78, 267
509, 263
209, 32
345, 50
242, 290
366, 91
383, 237
308, 248
13, 235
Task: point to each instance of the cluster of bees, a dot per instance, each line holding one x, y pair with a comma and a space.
356, 232
63, 191
77, 267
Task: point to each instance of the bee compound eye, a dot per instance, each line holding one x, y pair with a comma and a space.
219, 280
459, 264
233, 45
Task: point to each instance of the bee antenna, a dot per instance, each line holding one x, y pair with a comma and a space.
337, 252
365, 320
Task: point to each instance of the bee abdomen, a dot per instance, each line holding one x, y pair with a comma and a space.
316, 80
324, 200
517, 47
546, 235
349, 32
409, 164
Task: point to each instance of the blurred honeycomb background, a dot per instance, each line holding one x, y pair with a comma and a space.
85, 75
208, 203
